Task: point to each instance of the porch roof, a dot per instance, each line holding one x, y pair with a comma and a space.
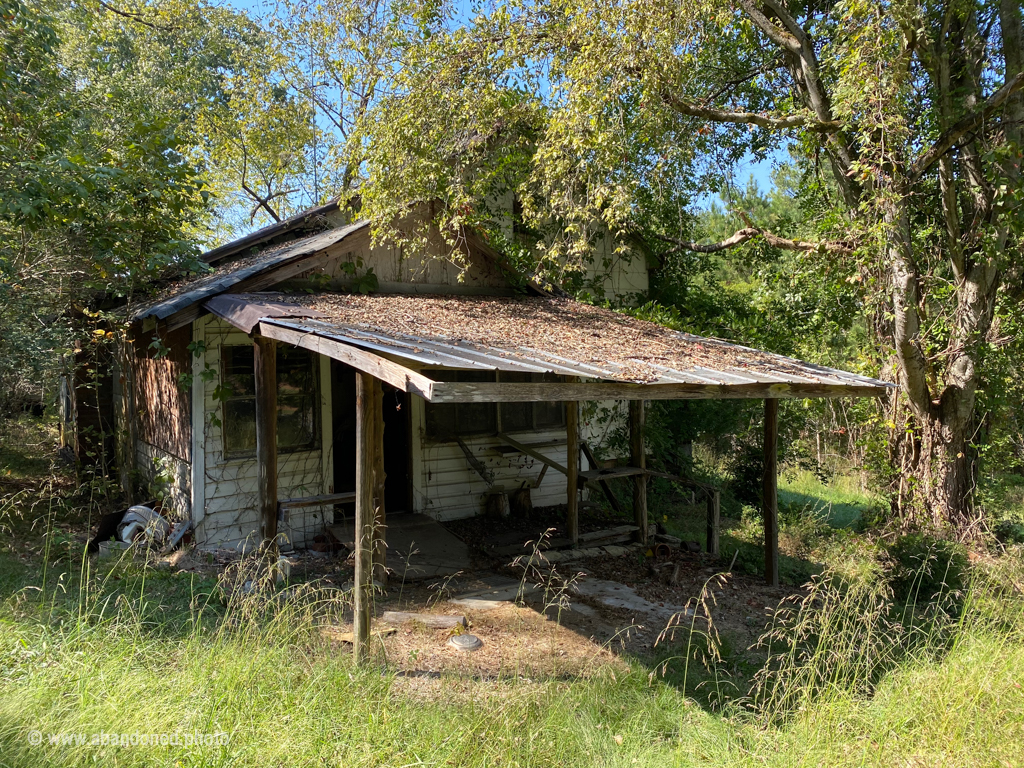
618, 356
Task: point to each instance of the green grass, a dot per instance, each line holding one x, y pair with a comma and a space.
27, 445
856, 677
945, 694
839, 503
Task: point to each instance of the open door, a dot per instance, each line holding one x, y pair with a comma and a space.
397, 440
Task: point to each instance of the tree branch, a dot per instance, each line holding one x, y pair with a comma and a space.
966, 124
778, 36
782, 122
133, 16
749, 233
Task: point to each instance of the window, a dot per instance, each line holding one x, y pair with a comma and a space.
446, 421
298, 412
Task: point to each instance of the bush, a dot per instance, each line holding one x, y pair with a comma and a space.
1009, 531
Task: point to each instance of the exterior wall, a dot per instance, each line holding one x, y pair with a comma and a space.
445, 487
400, 271
162, 417
171, 475
625, 274
163, 409
227, 502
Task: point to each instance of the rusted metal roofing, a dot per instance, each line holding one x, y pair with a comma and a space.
304, 220
186, 292
537, 335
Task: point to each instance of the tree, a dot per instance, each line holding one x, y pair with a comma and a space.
907, 117
117, 121
94, 201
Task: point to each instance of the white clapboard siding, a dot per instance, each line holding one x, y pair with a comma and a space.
449, 489
230, 496
152, 461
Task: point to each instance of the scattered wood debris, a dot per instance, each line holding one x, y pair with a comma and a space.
434, 620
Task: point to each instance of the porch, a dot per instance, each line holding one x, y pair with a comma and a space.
553, 351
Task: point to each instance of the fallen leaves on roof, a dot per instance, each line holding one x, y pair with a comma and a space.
538, 328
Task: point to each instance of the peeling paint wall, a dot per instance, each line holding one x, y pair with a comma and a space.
446, 487
228, 515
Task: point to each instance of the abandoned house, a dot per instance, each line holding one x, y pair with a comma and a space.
312, 374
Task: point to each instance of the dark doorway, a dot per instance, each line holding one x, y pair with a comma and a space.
397, 457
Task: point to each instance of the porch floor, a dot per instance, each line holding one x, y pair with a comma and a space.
419, 547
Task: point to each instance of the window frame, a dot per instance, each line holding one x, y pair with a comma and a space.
316, 440
499, 428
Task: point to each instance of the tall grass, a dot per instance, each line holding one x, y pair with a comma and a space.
855, 676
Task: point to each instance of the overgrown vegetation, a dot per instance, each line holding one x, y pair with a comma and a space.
900, 652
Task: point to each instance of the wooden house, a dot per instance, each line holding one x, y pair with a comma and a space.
311, 368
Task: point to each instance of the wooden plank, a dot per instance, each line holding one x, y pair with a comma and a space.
603, 484
607, 533
611, 474
506, 450
318, 501
380, 562
364, 514
396, 375
433, 620
770, 496
572, 436
535, 454
714, 508
549, 392
265, 358
478, 466
638, 458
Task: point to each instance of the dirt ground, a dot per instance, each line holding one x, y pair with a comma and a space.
570, 620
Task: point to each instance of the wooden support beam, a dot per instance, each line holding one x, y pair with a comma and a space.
638, 458
572, 447
365, 444
544, 392
265, 369
326, 500
398, 376
380, 561
770, 495
605, 488
714, 506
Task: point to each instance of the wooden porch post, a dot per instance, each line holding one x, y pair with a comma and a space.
265, 359
365, 461
714, 512
638, 458
380, 563
770, 495
572, 456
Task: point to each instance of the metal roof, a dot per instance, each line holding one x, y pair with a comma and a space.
183, 294
309, 218
554, 336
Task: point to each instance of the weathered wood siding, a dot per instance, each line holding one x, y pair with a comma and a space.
401, 270
163, 409
162, 416
229, 516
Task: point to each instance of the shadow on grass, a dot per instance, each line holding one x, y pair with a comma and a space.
834, 514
